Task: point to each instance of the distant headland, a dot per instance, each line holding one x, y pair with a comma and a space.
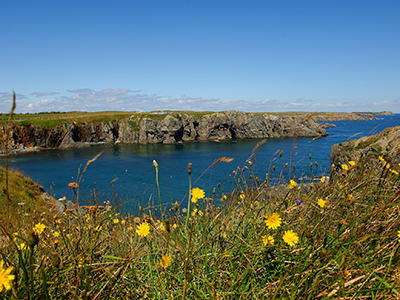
34, 132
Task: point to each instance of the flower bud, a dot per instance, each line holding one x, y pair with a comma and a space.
32, 239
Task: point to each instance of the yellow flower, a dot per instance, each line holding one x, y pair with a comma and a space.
291, 238
22, 246
165, 261
273, 221
38, 228
350, 197
387, 166
224, 197
98, 228
116, 221
130, 228
56, 234
242, 196
5, 277
345, 167
174, 226
268, 240
352, 163
381, 158
200, 213
292, 184
197, 194
394, 172
398, 234
143, 229
321, 202
123, 221
323, 178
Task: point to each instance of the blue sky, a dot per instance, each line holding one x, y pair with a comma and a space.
200, 55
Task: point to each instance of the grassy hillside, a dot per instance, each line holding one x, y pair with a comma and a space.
337, 239
22, 192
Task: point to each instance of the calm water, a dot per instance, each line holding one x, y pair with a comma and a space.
126, 173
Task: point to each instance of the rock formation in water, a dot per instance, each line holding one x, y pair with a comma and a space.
169, 128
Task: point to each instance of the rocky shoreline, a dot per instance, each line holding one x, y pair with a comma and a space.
170, 128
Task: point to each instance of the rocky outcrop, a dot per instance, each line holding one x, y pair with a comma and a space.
162, 128
385, 144
216, 126
329, 117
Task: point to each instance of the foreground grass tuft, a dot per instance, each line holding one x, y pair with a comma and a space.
336, 238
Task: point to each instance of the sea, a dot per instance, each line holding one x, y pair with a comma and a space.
124, 174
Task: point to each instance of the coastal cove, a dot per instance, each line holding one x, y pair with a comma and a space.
125, 171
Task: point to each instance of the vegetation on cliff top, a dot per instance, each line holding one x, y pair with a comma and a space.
337, 238
53, 119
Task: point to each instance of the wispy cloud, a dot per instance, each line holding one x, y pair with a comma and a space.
38, 94
121, 99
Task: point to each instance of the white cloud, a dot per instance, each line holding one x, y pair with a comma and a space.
121, 99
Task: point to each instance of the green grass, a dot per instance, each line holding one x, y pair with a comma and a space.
347, 249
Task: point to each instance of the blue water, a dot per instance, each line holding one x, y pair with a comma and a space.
125, 173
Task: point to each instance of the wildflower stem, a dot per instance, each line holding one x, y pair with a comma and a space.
159, 194
189, 198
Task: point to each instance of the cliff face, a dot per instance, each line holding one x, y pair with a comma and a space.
165, 129
216, 126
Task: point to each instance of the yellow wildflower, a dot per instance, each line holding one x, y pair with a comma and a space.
5, 277
165, 261
38, 228
321, 202
323, 178
130, 228
273, 221
116, 221
197, 194
200, 213
350, 197
21, 246
174, 226
268, 240
345, 167
291, 238
381, 158
352, 163
394, 172
398, 234
223, 197
143, 229
292, 184
56, 234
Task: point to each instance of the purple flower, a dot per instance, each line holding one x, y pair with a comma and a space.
299, 202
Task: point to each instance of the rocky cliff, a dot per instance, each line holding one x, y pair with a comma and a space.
385, 144
162, 128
